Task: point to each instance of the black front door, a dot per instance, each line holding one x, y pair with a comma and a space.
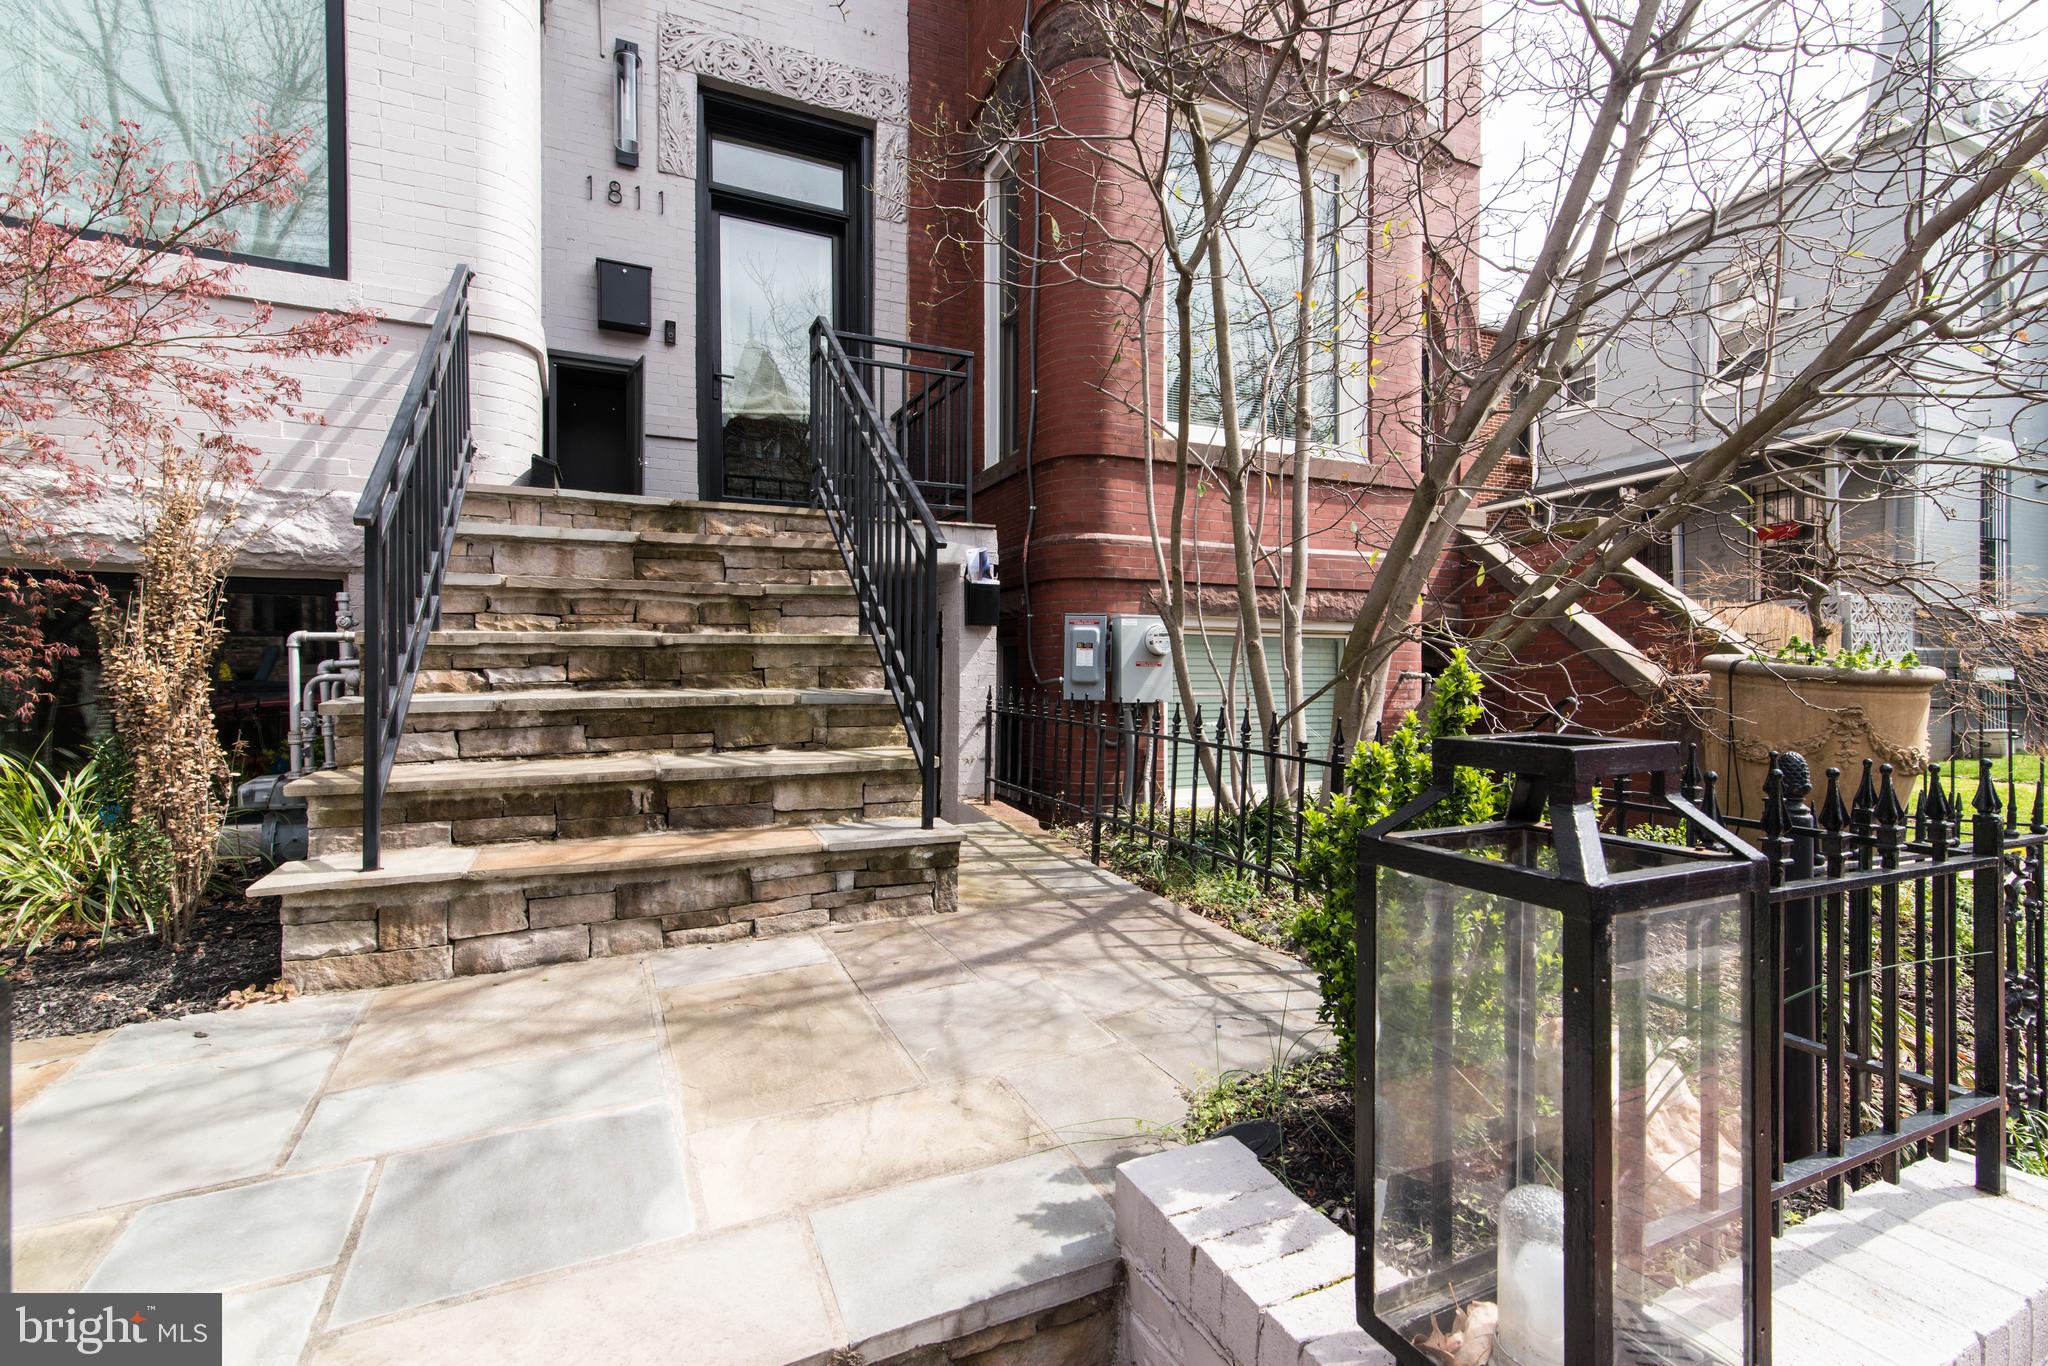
781, 243
594, 422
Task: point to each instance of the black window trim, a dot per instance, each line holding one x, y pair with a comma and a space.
336, 267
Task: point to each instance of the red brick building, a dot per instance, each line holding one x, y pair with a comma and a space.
1065, 476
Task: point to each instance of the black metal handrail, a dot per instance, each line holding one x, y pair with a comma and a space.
928, 393
408, 513
889, 540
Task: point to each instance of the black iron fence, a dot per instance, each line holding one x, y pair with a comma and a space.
888, 539
1909, 938
1909, 923
1216, 790
408, 512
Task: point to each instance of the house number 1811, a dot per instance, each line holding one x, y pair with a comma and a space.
615, 193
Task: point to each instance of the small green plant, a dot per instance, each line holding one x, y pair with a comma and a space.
1200, 870
1382, 776
2026, 1140
71, 859
1799, 650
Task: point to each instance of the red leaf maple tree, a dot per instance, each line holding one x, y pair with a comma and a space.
125, 331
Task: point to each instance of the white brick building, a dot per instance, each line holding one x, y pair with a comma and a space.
483, 132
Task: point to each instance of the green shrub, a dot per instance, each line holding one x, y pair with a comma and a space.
1381, 777
2027, 1140
71, 859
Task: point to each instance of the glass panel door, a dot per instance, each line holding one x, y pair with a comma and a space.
773, 281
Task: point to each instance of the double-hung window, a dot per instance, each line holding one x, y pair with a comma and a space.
196, 74
1994, 536
1005, 228
1741, 311
1261, 245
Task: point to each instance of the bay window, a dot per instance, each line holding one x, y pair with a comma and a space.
196, 75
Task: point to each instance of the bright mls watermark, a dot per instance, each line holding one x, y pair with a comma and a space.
167, 1330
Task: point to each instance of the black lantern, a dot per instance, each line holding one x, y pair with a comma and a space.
1563, 1067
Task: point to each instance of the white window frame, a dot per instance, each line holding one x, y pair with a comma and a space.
1002, 164
1435, 50
1762, 273
1347, 165
1578, 388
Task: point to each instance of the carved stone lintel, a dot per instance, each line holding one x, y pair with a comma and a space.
685, 52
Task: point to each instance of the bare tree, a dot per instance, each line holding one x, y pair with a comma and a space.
1687, 134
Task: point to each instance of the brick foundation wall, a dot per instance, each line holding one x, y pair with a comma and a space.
1225, 1267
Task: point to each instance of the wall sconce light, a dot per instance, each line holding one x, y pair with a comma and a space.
626, 102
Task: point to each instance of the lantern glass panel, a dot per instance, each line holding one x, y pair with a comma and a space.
1679, 1137
1468, 1078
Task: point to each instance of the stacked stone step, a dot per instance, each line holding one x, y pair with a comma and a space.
437, 913
495, 661
655, 566
640, 723
613, 795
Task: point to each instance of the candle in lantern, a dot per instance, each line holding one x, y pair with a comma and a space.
1531, 1276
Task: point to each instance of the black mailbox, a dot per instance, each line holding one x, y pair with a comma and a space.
625, 297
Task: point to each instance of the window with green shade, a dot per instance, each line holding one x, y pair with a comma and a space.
196, 75
1211, 662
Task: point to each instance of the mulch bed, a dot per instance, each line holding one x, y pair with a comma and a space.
75, 986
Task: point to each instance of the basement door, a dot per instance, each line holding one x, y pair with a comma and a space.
782, 241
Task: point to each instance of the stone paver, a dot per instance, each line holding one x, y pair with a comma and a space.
478, 1214
978, 1027
768, 1166
1013, 1239
727, 1299
101, 1139
475, 1021
269, 1327
1105, 1106
38, 1062
198, 1038
723, 962
779, 1041
1202, 1040
391, 1116
693, 1154
892, 956
60, 1256
237, 1237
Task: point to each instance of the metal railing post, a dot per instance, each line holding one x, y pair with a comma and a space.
1987, 924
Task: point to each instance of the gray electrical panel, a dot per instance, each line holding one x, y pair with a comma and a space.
1085, 677
1141, 669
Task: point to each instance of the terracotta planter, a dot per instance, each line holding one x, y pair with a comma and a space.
1835, 717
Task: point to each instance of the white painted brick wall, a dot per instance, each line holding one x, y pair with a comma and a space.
443, 166
580, 225
443, 128
1225, 1267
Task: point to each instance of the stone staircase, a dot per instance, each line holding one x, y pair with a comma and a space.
642, 723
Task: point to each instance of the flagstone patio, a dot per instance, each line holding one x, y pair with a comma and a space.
876, 1136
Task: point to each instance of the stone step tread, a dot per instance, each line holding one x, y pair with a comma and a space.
541, 859
643, 500
519, 531
645, 588
616, 699
498, 775
579, 638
